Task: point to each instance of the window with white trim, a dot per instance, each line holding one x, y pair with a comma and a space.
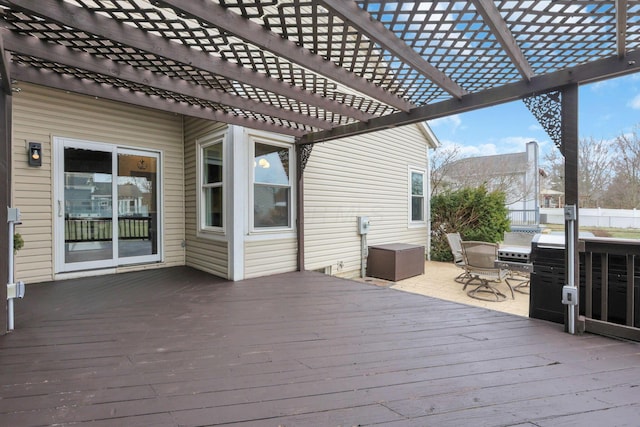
211, 170
416, 190
272, 190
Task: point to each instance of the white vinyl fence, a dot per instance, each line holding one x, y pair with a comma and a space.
604, 218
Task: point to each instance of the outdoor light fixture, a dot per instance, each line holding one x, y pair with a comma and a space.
35, 154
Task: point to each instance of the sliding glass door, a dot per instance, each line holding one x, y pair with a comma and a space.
137, 195
106, 206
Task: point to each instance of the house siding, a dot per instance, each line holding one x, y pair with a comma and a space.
266, 257
266, 252
39, 115
361, 176
208, 255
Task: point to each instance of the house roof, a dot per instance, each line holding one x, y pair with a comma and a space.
321, 69
501, 164
129, 191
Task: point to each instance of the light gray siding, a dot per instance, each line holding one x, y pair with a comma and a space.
40, 114
361, 176
204, 254
266, 252
266, 257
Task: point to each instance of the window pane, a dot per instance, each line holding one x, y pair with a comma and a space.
271, 206
213, 207
417, 208
88, 195
417, 186
137, 205
271, 164
212, 156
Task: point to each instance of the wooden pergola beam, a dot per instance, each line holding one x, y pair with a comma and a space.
586, 73
491, 15
92, 23
91, 88
621, 27
350, 12
5, 75
255, 34
32, 46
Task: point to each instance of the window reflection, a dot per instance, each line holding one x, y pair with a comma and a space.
272, 189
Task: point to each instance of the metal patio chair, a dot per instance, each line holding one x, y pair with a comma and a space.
480, 258
455, 245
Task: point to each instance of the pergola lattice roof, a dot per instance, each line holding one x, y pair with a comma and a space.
316, 69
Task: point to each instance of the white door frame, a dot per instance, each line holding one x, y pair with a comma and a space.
60, 265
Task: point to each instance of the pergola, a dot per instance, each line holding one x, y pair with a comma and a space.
319, 70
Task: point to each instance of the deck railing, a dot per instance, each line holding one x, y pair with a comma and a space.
611, 277
524, 216
101, 229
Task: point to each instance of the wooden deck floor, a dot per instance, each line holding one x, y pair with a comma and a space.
176, 347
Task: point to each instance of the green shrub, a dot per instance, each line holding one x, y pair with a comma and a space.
473, 212
18, 242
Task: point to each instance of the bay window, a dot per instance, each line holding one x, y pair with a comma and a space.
211, 183
272, 186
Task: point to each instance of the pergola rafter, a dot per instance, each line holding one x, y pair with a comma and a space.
500, 31
621, 27
591, 72
322, 69
93, 23
31, 46
123, 94
253, 33
361, 20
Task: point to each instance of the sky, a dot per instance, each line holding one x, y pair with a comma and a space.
607, 109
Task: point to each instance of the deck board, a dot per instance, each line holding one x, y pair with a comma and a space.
178, 347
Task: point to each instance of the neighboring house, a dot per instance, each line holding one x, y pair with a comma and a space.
187, 191
516, 174
551, 198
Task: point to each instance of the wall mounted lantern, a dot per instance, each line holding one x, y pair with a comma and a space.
35, 154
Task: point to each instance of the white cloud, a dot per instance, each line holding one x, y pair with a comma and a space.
635, 103
478, 150
515, 144
535, 128
447, 146
466, 150
453, 122
601, 85
517, 140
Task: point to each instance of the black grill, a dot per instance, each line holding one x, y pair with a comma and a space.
548, 278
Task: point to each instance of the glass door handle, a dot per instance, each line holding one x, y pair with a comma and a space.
60, 210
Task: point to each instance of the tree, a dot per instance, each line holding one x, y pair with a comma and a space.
554, 169
441, 161
475, 213
594, 162
594, 171
505, 173
623, 191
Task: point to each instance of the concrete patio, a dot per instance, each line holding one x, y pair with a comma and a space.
438, 282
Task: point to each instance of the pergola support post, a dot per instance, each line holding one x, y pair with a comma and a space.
5, 202
569, 123
303, 152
